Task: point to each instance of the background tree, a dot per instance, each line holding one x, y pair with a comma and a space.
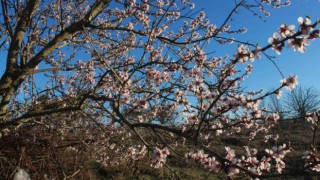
301, 101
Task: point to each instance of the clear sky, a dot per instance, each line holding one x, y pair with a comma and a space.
265, 75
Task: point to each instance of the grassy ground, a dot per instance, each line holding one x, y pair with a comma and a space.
43, 156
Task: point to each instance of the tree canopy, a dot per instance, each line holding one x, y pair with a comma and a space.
113, 71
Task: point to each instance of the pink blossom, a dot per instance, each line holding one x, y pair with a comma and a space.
291, 82
276, 44
298, 44
305, 25
160, 157
285, 30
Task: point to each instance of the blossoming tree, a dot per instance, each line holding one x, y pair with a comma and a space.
120, 65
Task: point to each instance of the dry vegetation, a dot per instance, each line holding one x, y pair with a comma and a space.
47, 155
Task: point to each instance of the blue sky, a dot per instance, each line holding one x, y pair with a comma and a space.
265, 74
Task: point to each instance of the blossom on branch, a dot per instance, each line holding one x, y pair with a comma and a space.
305, 25
159, 157
277, 45
285, 30
298, 44
291, 82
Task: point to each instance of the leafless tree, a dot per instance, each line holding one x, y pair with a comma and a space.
301, 101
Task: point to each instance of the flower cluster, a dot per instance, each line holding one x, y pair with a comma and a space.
277, 45
195, 22
298, 44
243, 54
313, 118
156, 76
277, 3
251, 162
286, 30
159, 157
211, 30
231, 156
202, 159
137, 153
143, 18
295, 41
291, 82
273, 118
312, 161
278, 153
305, 25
